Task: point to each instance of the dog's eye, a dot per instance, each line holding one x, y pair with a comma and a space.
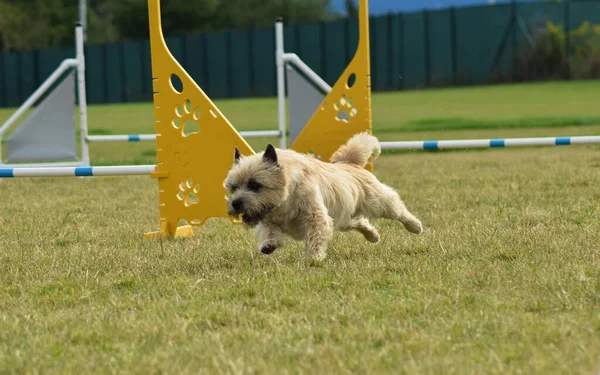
254, 186
232, 187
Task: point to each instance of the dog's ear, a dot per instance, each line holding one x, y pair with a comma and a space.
236, 156
270, 155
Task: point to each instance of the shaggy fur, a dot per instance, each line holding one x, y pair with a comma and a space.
282, 192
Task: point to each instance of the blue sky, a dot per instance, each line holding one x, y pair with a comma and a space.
384, 6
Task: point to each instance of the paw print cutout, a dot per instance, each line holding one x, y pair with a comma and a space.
188, 192
186, 120
345, 110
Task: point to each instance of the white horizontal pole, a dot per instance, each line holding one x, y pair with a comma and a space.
125, 170
260, 133
489, 143
314, 77
62, 68
121, 138
152, 137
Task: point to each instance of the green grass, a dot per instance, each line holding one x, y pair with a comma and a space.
546, 105
506, 278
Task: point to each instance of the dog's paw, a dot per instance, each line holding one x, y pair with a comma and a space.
372, 237
267, 247
414, 226
316, 256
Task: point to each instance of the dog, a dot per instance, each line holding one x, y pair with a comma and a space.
282, 192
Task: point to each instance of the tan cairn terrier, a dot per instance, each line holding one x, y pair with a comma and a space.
282, 192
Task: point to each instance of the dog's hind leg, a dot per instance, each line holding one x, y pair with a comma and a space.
392, 207
365, 228
398, 211
270, 238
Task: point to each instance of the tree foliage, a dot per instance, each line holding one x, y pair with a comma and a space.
47, 23
351, 9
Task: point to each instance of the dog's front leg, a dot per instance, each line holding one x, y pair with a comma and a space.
270, 237
319, 230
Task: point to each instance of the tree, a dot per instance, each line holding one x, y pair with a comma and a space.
45, 23
235, 14
351, 9
37, 25
130, 17
48, 23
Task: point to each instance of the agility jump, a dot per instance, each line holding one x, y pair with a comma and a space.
47, 136
306, 91
196, 164
343, 110
192, 165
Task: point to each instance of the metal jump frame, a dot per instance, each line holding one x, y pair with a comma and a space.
284, 58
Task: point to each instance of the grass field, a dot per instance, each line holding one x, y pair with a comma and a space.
505, 279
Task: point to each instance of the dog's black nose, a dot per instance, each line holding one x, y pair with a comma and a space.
237, 205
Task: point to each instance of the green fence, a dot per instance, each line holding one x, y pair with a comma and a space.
463, 46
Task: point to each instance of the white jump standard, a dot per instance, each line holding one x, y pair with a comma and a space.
47, 136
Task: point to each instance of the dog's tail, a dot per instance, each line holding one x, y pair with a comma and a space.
357, 150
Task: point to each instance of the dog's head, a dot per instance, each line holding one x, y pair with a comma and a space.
255, 185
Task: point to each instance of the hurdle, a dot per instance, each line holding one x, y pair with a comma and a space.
280, 133
188, 163
322, 117
192, 164
37, 141
195, 166
47, 135
306, 91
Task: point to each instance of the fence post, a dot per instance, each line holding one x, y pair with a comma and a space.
19, 74
390, 38
205, 68
347, 55
229, 65
184, 55
402, 51
143, 71
323, 50
514, 43
567, 22
123, 72
453, 46
36, 68
251, 80
2, 81
426, 47
105, 97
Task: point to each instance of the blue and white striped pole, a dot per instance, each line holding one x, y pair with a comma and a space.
152, 137
489, 143
121, 138
126, 170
